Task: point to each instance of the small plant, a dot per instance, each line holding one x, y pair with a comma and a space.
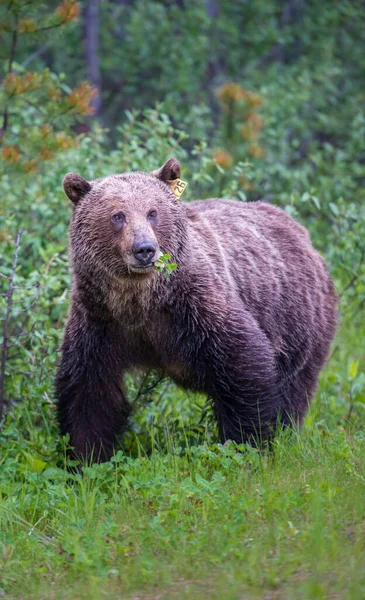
163, 264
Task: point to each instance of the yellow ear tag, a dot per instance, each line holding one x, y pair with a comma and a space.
177, 186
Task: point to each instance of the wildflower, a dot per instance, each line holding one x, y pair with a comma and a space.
254, 120
253, 100
256, 151
230, 92
46, 153
15, 84
64, 142
67, 10
10, 154
81, 97
223, 158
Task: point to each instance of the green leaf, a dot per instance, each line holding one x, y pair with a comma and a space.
334, 208
163, 264
353, 367
36, 464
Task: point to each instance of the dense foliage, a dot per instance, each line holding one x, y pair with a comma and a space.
257, 100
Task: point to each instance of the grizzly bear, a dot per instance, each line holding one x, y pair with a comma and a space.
246, 318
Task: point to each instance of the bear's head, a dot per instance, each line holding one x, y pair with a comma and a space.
122, 224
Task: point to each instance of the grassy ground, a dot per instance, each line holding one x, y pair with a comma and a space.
212, 523
204, 521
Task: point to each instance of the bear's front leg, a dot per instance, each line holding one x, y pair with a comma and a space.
91, 404
244, 385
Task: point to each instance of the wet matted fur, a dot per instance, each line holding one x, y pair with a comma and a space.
247, 317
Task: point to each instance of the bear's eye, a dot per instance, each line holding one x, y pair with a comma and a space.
152, 214
118, 217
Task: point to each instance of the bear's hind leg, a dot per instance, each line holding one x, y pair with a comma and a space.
298, 394
243, 383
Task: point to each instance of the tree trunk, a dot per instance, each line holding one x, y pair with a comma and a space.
212, 8
91, 28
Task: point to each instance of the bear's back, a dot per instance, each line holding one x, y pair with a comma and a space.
265, 259
251, 237
261, 217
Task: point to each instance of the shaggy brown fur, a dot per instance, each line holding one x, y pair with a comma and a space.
247, 317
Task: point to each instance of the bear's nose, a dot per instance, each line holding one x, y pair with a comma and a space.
144, 252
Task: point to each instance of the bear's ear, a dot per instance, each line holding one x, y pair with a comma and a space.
75, 187
169, 171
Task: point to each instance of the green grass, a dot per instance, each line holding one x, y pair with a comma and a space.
172, 519
210, 522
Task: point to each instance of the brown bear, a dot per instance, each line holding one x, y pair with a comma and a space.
246, 318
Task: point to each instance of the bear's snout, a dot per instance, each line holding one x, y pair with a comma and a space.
144, 252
